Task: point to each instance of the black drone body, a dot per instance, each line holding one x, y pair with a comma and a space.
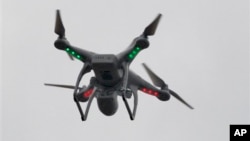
113, 77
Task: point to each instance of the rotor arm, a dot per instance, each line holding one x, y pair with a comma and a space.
131, 52
139, 43
78, 53
63, 44
146, 87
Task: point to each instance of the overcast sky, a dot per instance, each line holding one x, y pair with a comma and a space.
201, 49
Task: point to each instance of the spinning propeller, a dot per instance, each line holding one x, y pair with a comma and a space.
157, 81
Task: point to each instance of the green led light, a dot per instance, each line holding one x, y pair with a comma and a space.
73, 53
131, 56
134, 52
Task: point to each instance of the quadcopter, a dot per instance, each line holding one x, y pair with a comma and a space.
112, 76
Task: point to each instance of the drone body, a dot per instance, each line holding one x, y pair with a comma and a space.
113, 77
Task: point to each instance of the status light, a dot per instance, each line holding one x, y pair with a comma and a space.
131, 56
144, 89
149, 91
88, 93
134, 52
73, 53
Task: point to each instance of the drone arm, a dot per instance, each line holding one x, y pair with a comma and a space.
161, 94
131, 52
148, 88
160, 83
140, 42
80, 54
62, 43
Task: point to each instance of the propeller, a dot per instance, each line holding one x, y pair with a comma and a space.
157, 81
59, 28
61, 86
151, 28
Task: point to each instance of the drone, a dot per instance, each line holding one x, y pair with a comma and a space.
112, 76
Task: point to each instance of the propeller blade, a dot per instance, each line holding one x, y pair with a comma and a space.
151, 28
174, 94
59, 28
61, 86
157, 81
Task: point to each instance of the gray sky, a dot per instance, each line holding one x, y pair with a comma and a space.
1, 69
201, 49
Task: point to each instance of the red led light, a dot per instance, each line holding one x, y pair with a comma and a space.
156, 94
149, 91
88, 93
